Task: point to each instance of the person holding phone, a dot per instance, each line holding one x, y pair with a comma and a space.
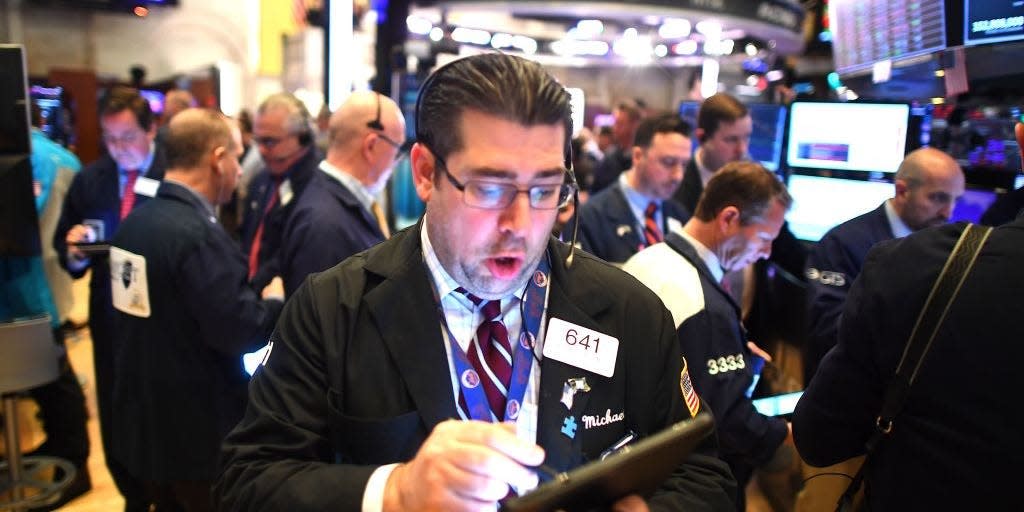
738, 216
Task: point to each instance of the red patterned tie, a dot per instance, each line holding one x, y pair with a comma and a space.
652, 233
254, 251
128, 197
491, 355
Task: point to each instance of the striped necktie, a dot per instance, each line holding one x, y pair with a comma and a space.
652, 233
490, 353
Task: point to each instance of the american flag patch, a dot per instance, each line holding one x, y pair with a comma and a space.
689, 394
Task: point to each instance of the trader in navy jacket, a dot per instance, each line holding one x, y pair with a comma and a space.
338, 215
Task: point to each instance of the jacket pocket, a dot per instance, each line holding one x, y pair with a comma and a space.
374, 441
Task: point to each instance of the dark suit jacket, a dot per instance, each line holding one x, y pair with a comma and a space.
957, 443
715, 343
607, 171
608, 228
831, 269
180, 385
358, 377
689, 191
327, 226
258, 195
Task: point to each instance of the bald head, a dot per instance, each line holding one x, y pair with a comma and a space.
364, 136
928, 183
193, 133
176, 101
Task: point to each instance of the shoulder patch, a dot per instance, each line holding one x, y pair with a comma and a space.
689, 394
128, 284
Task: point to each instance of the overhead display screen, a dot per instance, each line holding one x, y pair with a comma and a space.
868, 137
992, 21
868, 31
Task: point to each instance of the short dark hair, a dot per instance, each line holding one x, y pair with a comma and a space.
121, 98
190, 136
746, 185
504, 86
661, 123
717, 109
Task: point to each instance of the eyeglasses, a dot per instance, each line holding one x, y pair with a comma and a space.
490, 195
127, 138
267, 142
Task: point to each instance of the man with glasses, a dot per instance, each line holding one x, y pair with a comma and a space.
283, 134
433, 371
338, 215
99, 198
637, 211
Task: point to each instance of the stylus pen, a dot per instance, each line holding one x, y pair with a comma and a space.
618, 445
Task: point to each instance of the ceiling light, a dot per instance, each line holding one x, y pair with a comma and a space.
471, 35
436, 34
688, 47
674, 28
418, 25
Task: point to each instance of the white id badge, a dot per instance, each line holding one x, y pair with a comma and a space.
146, 186
581, 347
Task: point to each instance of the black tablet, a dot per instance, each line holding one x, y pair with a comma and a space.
638, 468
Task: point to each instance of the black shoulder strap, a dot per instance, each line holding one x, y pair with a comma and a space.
939, 300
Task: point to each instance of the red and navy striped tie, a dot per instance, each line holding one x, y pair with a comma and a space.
490, 353
652, 233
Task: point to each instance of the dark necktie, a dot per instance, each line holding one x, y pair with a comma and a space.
652, 233
254, 251
128, 197
490, 353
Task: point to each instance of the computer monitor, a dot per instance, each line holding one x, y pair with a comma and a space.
1018, 182
821, 203
992, 21
766, 140
51, 111
847, 136
973, 204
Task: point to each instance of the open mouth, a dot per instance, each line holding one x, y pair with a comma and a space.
504, 267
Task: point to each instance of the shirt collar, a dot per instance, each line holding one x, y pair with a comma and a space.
705, 254
444, 284
899, 228
637, 201
349, 182
705, 173
202, 200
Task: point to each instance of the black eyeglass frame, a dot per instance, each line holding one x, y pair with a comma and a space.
567, 190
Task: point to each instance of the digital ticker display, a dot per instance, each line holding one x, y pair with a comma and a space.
993, 21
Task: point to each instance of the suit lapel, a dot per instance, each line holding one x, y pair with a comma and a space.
411, 331
621, 216
346, 198
576, 303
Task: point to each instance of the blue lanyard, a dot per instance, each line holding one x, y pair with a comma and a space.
535, 302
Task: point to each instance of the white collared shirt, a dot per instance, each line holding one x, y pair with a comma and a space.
899, 228
638, 205
705, 173
706, 255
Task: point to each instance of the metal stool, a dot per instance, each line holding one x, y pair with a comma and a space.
28, 359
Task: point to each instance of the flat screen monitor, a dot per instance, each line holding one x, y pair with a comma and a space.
972, 205
868, 31
847, 136
1018, 182
19, 224
821, 203
52, 120
766, 140
993, 21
